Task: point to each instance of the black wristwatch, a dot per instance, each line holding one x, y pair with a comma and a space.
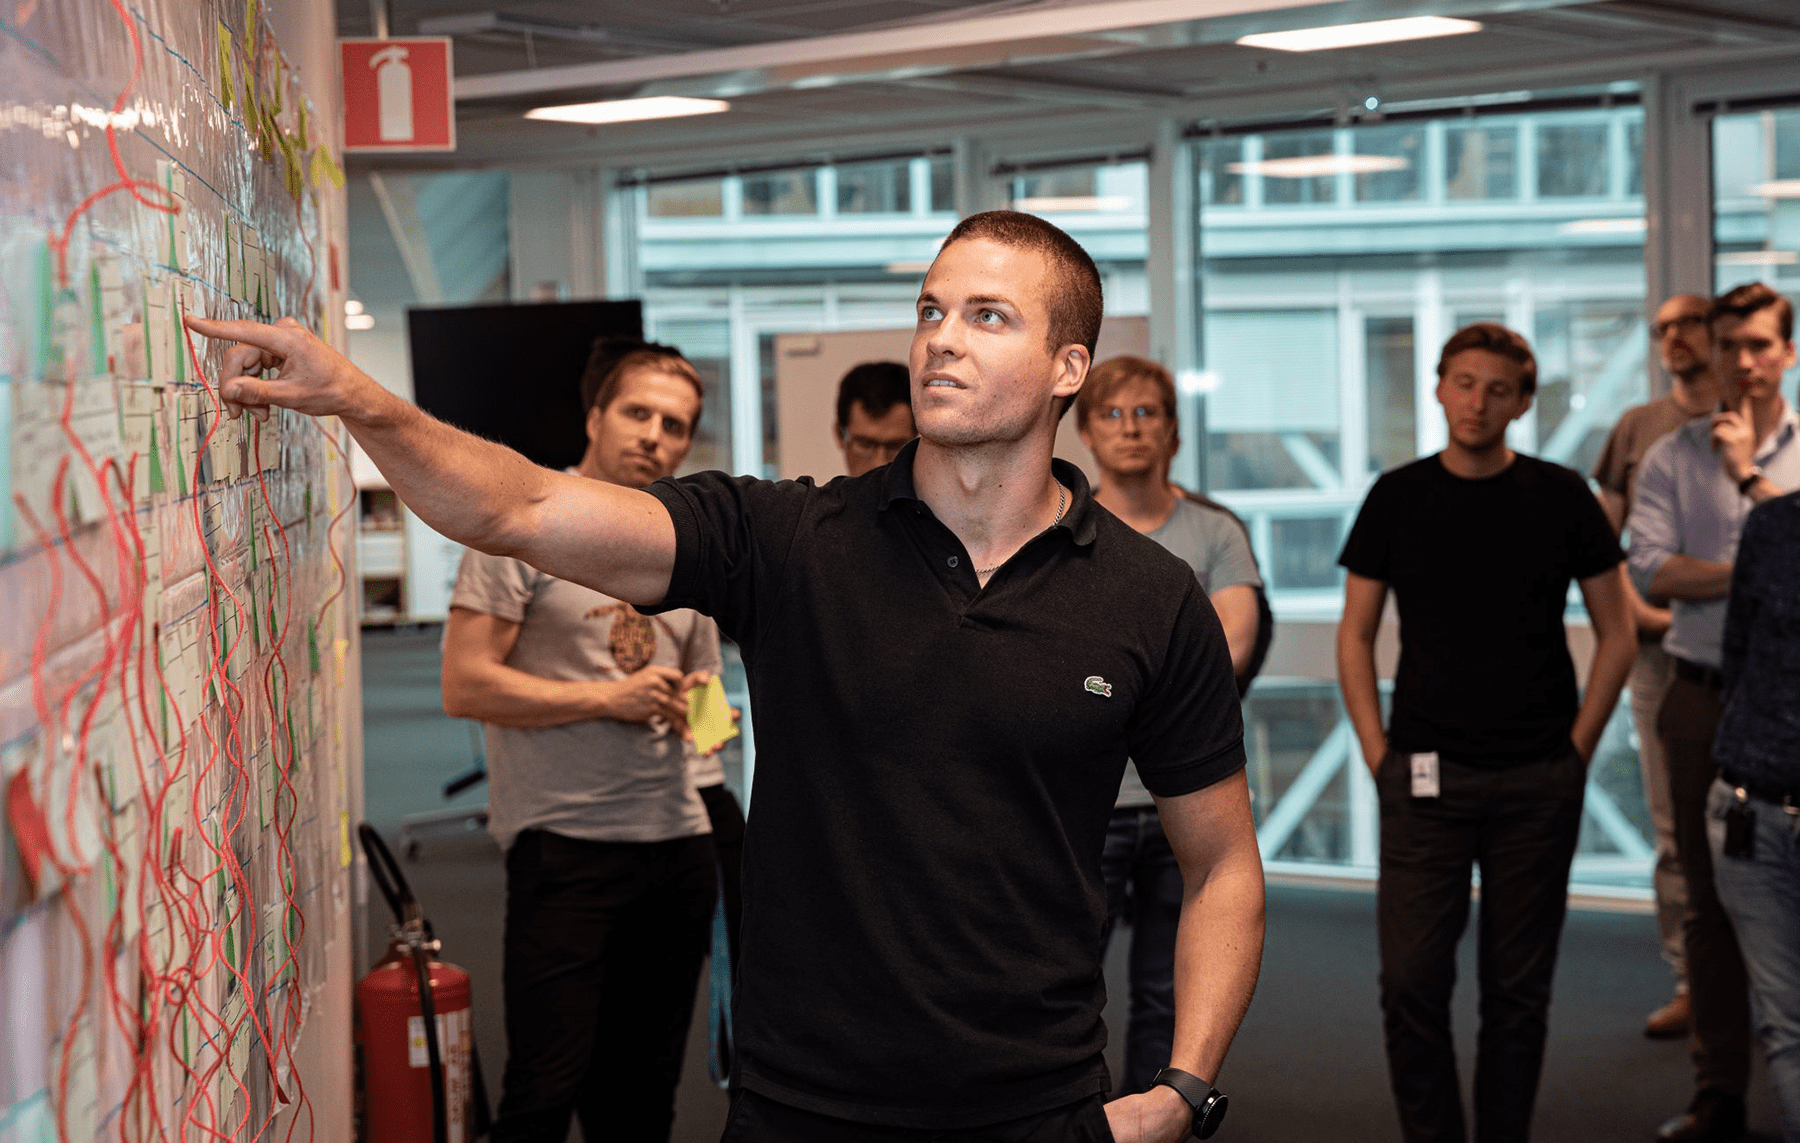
1751, 477
1207, 1101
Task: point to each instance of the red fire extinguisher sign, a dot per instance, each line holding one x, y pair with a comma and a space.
398, 94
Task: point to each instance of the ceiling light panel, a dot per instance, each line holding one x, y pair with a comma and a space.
1360, 35
629, 110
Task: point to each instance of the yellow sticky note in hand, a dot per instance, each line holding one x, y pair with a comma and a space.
709, 714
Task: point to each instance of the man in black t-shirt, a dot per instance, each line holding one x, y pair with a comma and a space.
949, 659
1485, 756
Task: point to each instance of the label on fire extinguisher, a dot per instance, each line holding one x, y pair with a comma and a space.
453, 1034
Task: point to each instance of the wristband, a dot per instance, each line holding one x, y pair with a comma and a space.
1750, 478
1208, 1102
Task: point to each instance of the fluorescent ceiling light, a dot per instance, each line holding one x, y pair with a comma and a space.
1360, 35
1780, 188
359, 321
1758, 258
1072, 204
1319, 166
908, 267
630, 110
352, 306
1602, 226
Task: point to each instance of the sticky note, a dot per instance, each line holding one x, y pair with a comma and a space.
709, 714
225, 65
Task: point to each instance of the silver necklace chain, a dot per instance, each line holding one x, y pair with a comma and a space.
1062, 502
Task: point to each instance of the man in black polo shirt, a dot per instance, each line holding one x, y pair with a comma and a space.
950, 659
1485, 757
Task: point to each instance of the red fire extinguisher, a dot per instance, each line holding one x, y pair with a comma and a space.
422, 1081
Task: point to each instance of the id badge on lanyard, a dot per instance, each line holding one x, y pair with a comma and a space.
1425, 775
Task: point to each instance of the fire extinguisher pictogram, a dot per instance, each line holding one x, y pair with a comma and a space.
421, 1074
393, 94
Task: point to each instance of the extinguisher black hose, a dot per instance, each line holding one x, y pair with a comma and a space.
440, 1105
388, 877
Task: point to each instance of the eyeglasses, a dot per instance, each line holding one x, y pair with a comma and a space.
1685, 321
1149, 416
865, 447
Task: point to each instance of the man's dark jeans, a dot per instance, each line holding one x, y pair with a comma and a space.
603, 948
1143, 890
1519, 825
1718, 987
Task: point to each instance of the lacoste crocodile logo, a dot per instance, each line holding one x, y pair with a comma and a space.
1098, 685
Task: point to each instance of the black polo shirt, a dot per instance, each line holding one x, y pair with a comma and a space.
936, 764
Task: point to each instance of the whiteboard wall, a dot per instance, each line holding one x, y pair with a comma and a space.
180, 729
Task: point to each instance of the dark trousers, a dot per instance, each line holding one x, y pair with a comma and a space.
603, 949
759, 1119
1143, 890
1717, 986
728, 843
1519, 825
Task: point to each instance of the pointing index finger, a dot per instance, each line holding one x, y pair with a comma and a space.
275, 339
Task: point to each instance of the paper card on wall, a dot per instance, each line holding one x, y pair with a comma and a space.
253, 270
709, 715
159, 351
71, 805
173, 252
66, 349
116, 314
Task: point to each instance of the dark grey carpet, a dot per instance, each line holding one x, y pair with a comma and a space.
1307, 1066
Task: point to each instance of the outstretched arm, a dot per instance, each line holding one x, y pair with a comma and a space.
1218, 948
619, 541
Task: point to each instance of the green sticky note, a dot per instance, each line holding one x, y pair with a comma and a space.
46, 303
157, 484
97, 328
179, 340
181, 481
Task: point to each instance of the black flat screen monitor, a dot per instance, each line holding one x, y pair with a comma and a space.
512, 373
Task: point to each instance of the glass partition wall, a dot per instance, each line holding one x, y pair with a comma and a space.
1334, 262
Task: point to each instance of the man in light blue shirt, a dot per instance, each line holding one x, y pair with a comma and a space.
1694, 489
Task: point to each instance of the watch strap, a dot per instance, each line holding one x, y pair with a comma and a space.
1750, 478
1207, 1102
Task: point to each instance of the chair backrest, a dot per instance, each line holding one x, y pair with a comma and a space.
1265, 615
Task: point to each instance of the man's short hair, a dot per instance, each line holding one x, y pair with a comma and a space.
613, 357
1498, 340
1074, 298
1115, 373
875, 385
1742, 301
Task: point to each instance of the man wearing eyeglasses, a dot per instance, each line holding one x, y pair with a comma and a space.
1684, 343
1126, 416
874, 414
1694, 490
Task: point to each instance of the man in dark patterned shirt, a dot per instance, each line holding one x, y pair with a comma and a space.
1753, 808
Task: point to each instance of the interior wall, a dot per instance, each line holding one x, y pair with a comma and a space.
180, 718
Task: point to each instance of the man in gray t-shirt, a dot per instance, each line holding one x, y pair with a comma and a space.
610, 874
1126, 416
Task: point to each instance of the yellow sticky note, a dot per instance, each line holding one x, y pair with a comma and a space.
344, 854
227, 69
709, 714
